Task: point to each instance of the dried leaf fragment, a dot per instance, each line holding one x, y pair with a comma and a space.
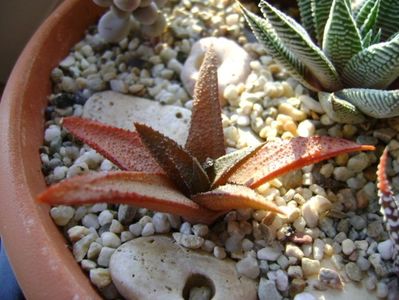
183, 169
124, 148
278, 157
150, 191
205, 138
231, 196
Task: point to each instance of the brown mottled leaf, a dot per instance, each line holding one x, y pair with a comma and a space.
224, 166
276, 158
230, 196
150, 191
183, 169
205, 138
124, 148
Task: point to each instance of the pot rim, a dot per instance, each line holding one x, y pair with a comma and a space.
44, 266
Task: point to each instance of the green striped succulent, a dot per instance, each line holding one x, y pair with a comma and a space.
349, 55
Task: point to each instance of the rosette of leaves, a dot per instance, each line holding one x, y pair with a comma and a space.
349, 56
198, 181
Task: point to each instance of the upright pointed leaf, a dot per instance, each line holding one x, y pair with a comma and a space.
306, 11
266, 35
375, 67
205, 138
297, 40
340, 110
388, 19
341, 37
366, 40
231, 196
276, 158
124, 148
321, 13
182, 168
374, 103
363, 12
371, 19
140, 189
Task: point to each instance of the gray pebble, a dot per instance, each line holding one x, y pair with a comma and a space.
267, 290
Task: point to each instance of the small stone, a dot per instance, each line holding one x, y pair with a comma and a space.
313, 208
294, 251
75, 233
126, 236
208, 246
136, 229
386, 249
310, 266
374, 229
267, 290
88, 265
348, 246
219, 252
105, 256
161, 223
200, 293
304, 296
353, 272
318, 249
100, 277
185, 228
126, 213
116, 226
268, 253
363, 263
110, 239
382, 290
281, 280
358, 162
297, 285
295, 272
248, 267
358, 222
81, 247
200, 230
331, 278
148, 229
306, 128
94, 250
62, 214
105, 217
188, 240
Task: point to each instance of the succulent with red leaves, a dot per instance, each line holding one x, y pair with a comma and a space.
390, 205
198, 182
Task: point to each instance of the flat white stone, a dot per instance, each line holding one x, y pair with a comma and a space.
122, 110
157, 268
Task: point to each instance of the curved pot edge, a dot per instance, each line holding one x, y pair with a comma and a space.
43, 265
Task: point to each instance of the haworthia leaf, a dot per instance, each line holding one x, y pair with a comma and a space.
375, 103
375, 67
182, 168
321, 12
388, 19
366, 41
371, 19
363, 12
295, 38
206, 118
377, 37
341, 37
307, 16
357, 6
339, 110
266, 35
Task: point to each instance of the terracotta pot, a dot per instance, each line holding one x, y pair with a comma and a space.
44, 266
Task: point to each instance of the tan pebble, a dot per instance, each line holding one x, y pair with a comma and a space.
310, 266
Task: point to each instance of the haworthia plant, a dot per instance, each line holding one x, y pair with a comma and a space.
349, 55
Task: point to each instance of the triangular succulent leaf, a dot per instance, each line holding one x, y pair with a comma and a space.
341, 37
388, 19
322, 11
366, 41
306, 11
182, 168
123, 148
297, 40
150, 191
278, 157
375, 67
374, 103
371, 19
340, 110
376, 38
205, 138
231, 196
223, 167
267, 36
363, 11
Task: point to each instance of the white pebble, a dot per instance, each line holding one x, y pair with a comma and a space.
52, 133
105, 217
313, 208
126, 236
105, 256
148, 229
161, 223
88, 265
219, 252
116, 226
188, 240
100, 277
294, 251
281, 280
94, 250
386, 249
348, 246
304, 296
268, 253
136, 229
248, 267
306, 128
90, 221
310, 266
62, 214
75, 233
110, 239
318, 249
80, 248
185, 228
200, 230
382, 290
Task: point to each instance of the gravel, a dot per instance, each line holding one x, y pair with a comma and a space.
332, 210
